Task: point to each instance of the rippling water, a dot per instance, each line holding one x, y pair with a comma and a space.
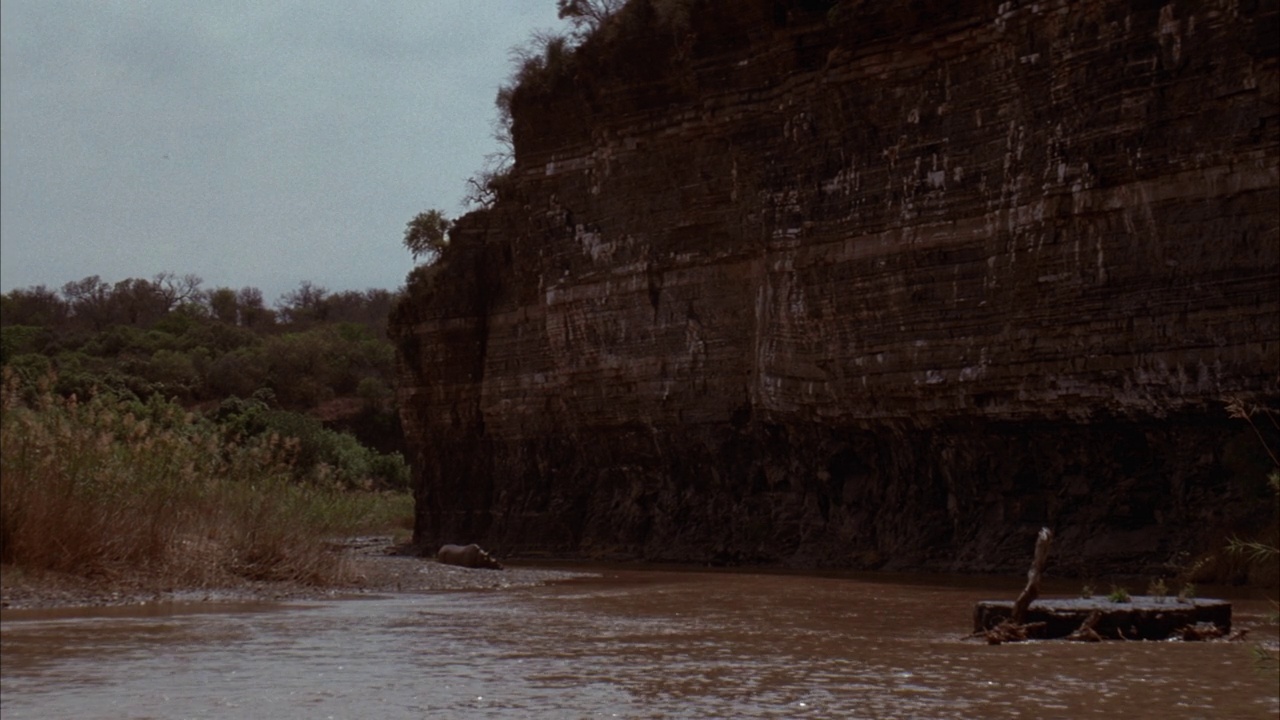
625, 644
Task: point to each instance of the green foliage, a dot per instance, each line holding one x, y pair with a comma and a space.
1118, 595
224, 305
374, 391
239, 372
608, 40
172, 373
541, 64
299, 368
107, 464
164, 340
37, 306
306, 306
117, 339
192, 351
30, 369
427, 234
325, 456
88, 380
90, 487
1254, 551
1263, 550
21, 340
368, 310
1157, 588
320, 455
251, 312
241, 417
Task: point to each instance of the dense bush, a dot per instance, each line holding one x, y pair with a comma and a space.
321, 456
116, 484
23, 339
165, 336
150, 425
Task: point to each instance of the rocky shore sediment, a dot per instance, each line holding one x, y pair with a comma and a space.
373, 565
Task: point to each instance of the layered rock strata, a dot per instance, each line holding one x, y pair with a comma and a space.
867, 284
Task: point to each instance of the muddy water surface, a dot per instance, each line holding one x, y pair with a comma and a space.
621, 644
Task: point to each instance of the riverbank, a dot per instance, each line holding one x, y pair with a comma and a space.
371, 565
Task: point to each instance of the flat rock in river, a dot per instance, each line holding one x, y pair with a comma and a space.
1140, 618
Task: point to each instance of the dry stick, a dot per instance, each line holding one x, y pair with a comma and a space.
1032, 590
1015, 628
1086, 632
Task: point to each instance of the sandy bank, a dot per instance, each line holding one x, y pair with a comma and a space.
372, 562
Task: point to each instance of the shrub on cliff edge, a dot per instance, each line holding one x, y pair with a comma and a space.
427, 234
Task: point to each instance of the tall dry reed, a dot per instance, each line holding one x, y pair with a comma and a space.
112, 487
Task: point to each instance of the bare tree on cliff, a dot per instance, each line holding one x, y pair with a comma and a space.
427, 234
587, 16
174, 290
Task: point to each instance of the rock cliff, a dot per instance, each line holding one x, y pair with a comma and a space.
865, 284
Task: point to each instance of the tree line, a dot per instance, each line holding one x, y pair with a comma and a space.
92, 304
316, 366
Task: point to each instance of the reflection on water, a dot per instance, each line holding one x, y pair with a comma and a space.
627, 644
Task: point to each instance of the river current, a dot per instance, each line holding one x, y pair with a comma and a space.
620, 643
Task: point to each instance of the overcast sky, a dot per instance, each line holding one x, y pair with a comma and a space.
253, 143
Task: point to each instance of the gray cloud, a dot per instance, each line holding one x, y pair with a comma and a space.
250, 143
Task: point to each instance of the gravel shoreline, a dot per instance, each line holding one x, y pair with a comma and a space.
375, 563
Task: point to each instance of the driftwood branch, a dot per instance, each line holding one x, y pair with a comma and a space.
1016, 628
1092, 619
1012, 632
1032, 590
1086, 632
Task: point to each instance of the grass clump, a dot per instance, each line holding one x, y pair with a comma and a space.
1158, 589
1187, 593
113, 486
1118, 595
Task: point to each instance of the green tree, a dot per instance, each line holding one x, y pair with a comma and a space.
34, 306
18, 340
252, 310
138, 302
427, 234
90, 302
223, 305
306, 306
240, 372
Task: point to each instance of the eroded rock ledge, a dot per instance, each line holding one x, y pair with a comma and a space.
864, 286
1139, 618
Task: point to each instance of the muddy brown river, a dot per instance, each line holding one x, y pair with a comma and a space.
621, 643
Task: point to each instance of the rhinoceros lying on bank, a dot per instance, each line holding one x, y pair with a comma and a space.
467, 556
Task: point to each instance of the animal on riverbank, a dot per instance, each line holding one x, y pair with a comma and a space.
471, 556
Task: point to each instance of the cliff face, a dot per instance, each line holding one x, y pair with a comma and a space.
867, 285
